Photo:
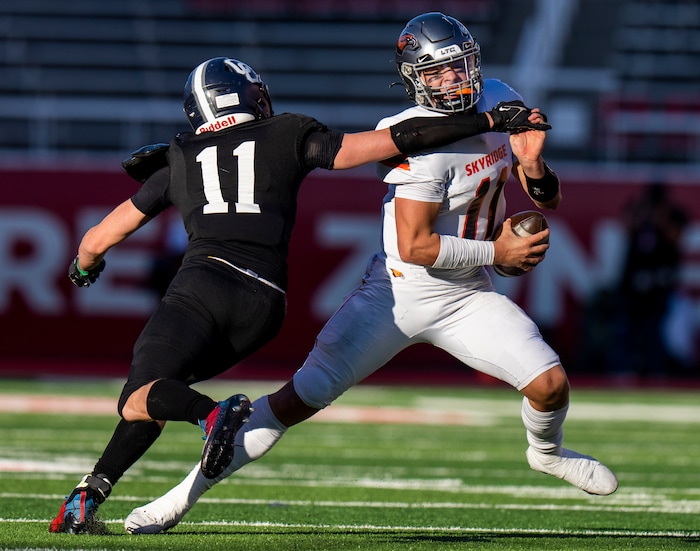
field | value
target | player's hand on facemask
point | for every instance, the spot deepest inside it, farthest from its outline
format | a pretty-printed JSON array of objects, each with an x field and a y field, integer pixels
[{"x": 515, "y": 117}]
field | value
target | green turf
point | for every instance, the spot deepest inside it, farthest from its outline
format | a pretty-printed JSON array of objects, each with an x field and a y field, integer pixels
[{"x": 393, "y": 487}]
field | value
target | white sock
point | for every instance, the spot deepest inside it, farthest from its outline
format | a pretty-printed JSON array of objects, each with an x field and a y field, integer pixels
[
  {"x": 254, "y": 439},
  {"x": 183, "y": 496},
  {"x": 544, "y": 428}
]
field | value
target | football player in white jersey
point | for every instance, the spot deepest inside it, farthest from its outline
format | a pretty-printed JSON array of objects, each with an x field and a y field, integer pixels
[{"x": 429, "y": 284}]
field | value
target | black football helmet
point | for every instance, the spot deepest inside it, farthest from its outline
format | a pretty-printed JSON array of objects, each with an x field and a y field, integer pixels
[
  {"x": 430, "y": 43},
  {"x": 223, "y": 86}
]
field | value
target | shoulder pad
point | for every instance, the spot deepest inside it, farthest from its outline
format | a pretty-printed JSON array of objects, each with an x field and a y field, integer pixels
[
  {"x": 494, "y": 92},
  {"x": 145, "y": 161}
]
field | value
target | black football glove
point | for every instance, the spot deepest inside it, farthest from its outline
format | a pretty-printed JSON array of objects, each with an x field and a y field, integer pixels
[
  {"x": 82, "y": 278},
  {"x": 146, "y": 161},
  {"x": 512, "y": 117}
]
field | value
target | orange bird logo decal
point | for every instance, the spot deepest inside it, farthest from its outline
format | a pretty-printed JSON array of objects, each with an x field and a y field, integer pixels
[{"x": 406, "y": 41}]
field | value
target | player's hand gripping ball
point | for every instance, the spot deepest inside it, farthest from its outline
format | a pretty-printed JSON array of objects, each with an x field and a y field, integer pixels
[{"x": 524, "y": 224}]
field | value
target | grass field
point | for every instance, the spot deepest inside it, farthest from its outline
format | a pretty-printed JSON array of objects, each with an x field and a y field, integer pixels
[{"x": 384, "y": 469}]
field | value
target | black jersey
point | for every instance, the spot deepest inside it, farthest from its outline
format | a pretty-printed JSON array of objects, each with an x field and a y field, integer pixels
[{"x": 236, "y": 189}]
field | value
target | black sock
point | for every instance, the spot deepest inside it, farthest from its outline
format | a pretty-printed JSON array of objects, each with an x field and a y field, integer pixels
[
  {"x": 129, "y": 442},
  {"x": 173, "y": 400}
]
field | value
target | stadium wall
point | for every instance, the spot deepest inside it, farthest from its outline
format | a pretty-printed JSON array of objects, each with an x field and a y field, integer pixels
[{"x": 49, "y": 327}]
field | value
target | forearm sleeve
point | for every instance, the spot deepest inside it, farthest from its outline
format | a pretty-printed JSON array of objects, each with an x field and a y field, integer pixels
[
  {"x": 419, "y": 133},
  {"x": 456, "y": 252}
]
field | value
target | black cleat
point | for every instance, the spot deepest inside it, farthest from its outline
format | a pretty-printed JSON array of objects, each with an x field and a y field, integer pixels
[{"x": 221, "y": 427}]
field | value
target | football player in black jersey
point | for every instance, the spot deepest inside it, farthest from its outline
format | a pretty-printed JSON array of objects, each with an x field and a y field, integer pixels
[{"x": 234, "y": 181}]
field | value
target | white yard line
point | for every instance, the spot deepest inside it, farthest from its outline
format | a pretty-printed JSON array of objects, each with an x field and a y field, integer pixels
[{"x": 440, "y": 529}]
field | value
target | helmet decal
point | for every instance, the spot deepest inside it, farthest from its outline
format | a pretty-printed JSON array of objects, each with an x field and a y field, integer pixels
[
  {"x": 228, "y": 100},
  {"x": 406, "y": 41},
  {"x": 243, "y": 70},
  {"x": 448, "y": 51}
]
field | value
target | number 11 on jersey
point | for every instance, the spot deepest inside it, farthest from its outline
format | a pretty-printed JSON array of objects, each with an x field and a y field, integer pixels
[{"x": 245, "y": 154}]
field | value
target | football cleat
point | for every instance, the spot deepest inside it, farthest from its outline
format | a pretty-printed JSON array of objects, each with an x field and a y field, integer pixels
[
  {"x": 220, "y": 428},
  {"x": 77, "y": 513},
  {"x": 152, "y": 518},
  {"x": 583, "y": 471}
]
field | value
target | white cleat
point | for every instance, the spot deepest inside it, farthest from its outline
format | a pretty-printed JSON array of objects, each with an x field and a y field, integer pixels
[
  {"x": 153, "y": 518},
  {"x": 583, "y": 471}
]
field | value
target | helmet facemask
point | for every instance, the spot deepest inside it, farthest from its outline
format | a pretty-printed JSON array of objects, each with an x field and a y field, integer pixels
[
  {"x": 449, "y": 85},
  {"x": 440, "y": 63}
]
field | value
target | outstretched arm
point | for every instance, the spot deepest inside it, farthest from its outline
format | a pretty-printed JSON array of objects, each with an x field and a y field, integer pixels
[
  {"x": 421, "y": 133},
  {"x": 359, "y": 148},
  {"x": 119, "y": 224}
]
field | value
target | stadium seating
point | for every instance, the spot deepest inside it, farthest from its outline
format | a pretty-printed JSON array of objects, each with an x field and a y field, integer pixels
[{"x": 105, "y": 77}]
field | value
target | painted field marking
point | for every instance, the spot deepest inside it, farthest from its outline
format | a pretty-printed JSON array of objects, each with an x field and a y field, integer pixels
[{"x": 439, "y": 529}]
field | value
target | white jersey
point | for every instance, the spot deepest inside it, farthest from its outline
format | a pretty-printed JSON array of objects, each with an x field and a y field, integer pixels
[
  {"x": 400, "y": 304},
  {"x": 467, "y": 177}
]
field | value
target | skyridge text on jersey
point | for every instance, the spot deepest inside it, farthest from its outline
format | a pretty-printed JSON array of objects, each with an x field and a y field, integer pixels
[{"x": 486, "y": 161}]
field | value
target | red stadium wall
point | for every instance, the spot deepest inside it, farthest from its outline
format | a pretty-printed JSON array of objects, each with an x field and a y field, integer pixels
[{"x": 48, "y": 326}]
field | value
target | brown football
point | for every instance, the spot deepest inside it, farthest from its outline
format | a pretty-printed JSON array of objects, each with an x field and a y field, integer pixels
[{"x": 525, "y": 223}]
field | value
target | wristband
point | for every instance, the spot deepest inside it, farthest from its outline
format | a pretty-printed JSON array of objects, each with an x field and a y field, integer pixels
[
  {"x": 456, "y": 252},
  {"x": 543, "y": 189},
  {"x": 80, "y": 270}
]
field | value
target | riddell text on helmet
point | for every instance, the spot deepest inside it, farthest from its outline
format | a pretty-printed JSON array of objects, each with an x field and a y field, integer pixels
[
  {"x": 486, "y": 161},
  {"x": 222, "y": 122}
]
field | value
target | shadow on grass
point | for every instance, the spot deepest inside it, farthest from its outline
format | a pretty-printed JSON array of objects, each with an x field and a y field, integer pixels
[
  {"x": 338, "y": 539},
  {"x": 488, "y": 537}
]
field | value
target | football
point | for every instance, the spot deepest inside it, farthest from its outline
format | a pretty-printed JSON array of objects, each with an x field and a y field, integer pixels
[{"x": 525, "y": 223}]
